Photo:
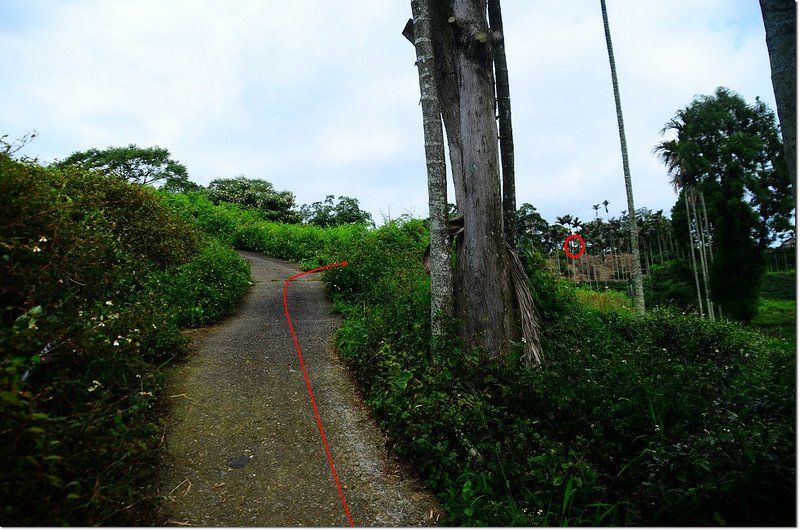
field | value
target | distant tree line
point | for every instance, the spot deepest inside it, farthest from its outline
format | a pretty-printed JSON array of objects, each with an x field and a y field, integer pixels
[
  {"x": 153, "y": 166},
  {"x": 733, "y": 219}
]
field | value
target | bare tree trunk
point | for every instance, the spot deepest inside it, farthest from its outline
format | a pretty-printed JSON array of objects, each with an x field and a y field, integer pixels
[
  {"x": 486, "y": 289},
  {"x": 636, "y": 268},
  {"x": 702, "y": 244},
  {"x": 707, "y": 227},
  {"x": 780, "y": 19},
  {"x": 443, "y": 41},
  {"x": 441, "y": 273},
  {"x": 504, "y": 122},
  {"x": 691, "y": 250},
  {"x": 558, "y": 261}
]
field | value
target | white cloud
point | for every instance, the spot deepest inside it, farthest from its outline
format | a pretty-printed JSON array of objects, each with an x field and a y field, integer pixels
[{"x": 322, "y": 97}]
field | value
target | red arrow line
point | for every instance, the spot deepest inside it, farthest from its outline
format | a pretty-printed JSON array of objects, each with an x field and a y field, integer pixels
[{"x": 308, "y": 383}]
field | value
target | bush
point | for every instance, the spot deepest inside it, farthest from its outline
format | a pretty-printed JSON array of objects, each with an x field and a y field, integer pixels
[
  {"x": 207, "y": 288},
  {"x": 671, "y": 284},
  {"x": 663, "y": 419},
  {"x": 91, "y": 267}
]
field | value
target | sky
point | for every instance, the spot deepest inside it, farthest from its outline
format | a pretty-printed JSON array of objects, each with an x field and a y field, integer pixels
[{"x": 322, "y": 98}]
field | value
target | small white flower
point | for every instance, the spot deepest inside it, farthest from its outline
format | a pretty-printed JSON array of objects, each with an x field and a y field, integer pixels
[
  {"x": 42, "y": 239},
  {"x": 37, "y": 249},
  {"x": 109, "y": 302},
  {"x": 116, "y": 343}
]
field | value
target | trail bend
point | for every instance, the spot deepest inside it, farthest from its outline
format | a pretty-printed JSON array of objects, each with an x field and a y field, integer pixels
[{"x": 243, "y": 448}]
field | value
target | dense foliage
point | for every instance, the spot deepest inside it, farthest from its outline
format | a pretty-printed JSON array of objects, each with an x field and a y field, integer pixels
[
  {"x": 255, "y": 194},
  {"x": 662, "y": 419},
  {"x": 671, "y": 284},
  {"x": 96, "y": 277},
  {"x": 727, "y": 159},
  {"x": 325, "y": 213},
  {"x": 142, "y": 165},
  {"x": 656, "y": 420}
]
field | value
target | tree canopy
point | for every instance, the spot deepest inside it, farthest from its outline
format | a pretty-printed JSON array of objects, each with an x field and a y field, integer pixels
[
  {"x": 257, "y": 194},
  {"x": 143, "y": 165},
  {"x": 729, "y": 154},
  {"x": 346, "y": 210}
]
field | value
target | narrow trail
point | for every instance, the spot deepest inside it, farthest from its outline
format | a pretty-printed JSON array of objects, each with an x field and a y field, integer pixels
[{"x": 243, "y": 447}]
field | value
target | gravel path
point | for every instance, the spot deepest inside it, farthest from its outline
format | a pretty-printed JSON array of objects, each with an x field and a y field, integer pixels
[{"x": 243, "y": 448}]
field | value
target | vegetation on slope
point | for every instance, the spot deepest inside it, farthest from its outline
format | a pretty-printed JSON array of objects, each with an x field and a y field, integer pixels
[
  {"x": 660, "y": 419},
  {"x": 98, "y": 275}
]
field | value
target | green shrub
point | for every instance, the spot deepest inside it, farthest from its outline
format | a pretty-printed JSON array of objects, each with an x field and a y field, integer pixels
[
  {"x": 657, "y": 420},
  {"x": 663, "y": 419},
  {"x": 207, "y": 288},
  {"x": 90, "y": 267},
  {"x": 671, "y": 284}
]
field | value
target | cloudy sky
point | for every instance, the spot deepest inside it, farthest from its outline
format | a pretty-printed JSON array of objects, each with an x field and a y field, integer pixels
[{"x": 321, "y": 97}]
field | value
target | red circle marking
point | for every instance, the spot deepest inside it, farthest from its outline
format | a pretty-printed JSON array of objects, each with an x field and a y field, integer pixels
[{"x": 566, "y": 246}]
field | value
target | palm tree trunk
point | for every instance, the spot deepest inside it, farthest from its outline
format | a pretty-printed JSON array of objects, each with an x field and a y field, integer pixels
[
  {"x": 505, "y": 130},
  {"x": 634, "y": 231},
  {"x": 441, "y": 272},
  {"x": 707, "y": 227},
  {"x": 485, "y": 282},
  {"x": 691, "y": 250},
  {"x": 703, "y": 262}
]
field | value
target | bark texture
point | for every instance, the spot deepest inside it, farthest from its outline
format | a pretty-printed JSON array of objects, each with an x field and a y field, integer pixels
[
  {"x": 504, "y": 124},
  {"x": 780, "y": 19},
  {"x": 633, "y": 228},
  {"x": 441, "y": 272},
  {"x": 488, "y": 321}
]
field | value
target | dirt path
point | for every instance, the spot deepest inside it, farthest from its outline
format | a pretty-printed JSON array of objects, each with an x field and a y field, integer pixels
[{"x": 243, "y": 448}]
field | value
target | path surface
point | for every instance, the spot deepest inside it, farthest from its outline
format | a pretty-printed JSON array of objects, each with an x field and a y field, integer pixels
[{"x": 243, "y": 447}]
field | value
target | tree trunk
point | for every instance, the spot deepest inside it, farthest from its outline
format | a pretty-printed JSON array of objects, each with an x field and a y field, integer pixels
[
  {"x": 485, "y": 282},
  {"x": 701, "y": 241},
  {"x": 636, "y": 268},
  {"x": 691, "y": 250},
  {"x": 443, "y": 41},
  {"x": 780, "y": 18},
  {"x": 707, "y": 226},
  {"x": 504, "y": 122},
  {"x": 441, "y": 273}
]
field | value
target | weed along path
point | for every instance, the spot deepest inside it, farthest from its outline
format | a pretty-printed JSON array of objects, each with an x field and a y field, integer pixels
[{"x": 243, "y": 446}]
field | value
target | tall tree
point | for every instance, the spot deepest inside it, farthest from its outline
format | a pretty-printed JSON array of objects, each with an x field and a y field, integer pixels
[
  {"x": 504, "y": 123},
  {"x": 143, "y": 165},
  {"x": 257, "y": 194},
  {"x": 346, "y": 210},
  {"x": 731, "y": 152},
  {"x": 780, "y": 23},
  {"x": 492, "y": 298},
  {"x": 634, "y": 235},
  {"x": 488, "y": 322},
  {"x": 689, "y": 186},
  {"x": 441, "y": 272}
]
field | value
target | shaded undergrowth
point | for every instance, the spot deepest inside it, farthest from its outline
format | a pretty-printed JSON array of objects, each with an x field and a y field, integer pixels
[{"x": 98, "y": 277}]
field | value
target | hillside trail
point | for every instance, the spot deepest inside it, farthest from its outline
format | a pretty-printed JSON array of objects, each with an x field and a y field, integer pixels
[{"x": 243, "y": 448}]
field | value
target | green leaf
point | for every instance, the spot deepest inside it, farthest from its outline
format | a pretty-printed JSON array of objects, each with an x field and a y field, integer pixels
[{"x": 9, "y": 397}]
